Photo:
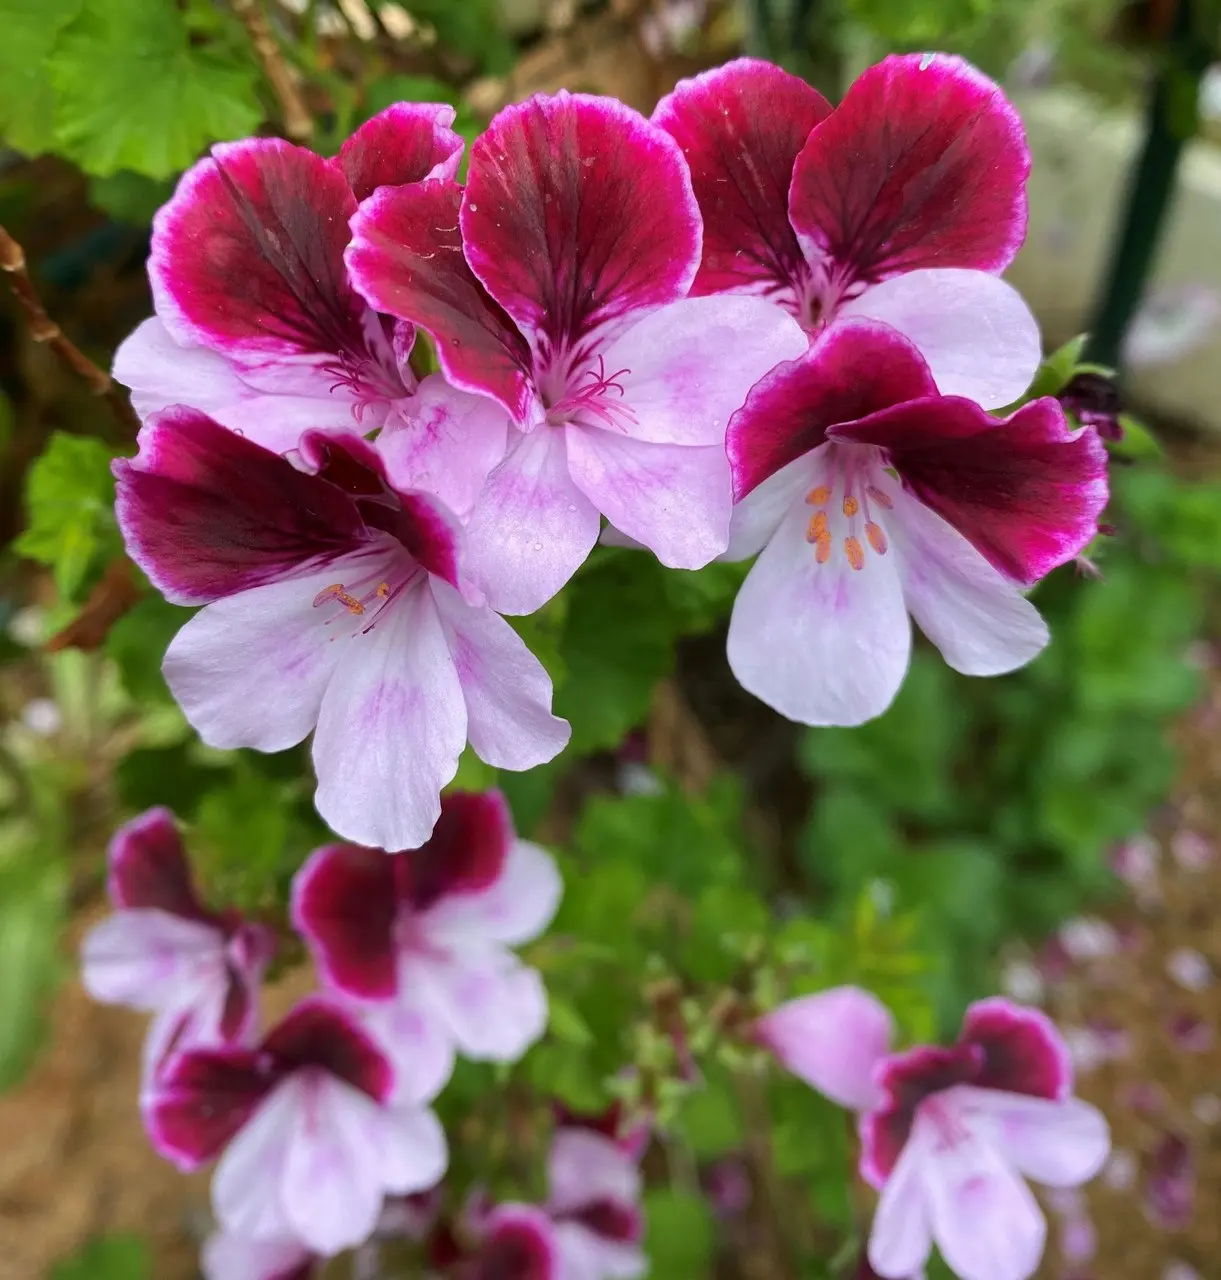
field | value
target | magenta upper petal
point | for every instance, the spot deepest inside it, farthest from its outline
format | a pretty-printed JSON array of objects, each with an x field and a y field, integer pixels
[
  {"x": 319, "y": 1034},
  {"x": 408, "y": 142},
  {"x": 1022, "y": 1050},
  {"x": 740, "y": 128},
  {"x": 577, "y": 213},
  {"x": 205, "y": 512},
  {"x": 247, "y": 257},
  {"x": 344, "y": 906},
  {"x": 1026, "y": 491},
  {"x": 789, "y": 411},
  {"x": 200, "y": 1099},
  {"x": 465, "y": 853},
  {"x": 923, "y": 164},
  {"x": 518, "y": 1244},
  {"x": 406, "y": 259},
  {"x": 148, "y": 867}
]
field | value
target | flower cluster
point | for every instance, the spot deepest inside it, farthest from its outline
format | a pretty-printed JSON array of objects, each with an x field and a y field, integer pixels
[
  {"x": 750, "y": 325},
  {"x": 323, "y": 1122}
]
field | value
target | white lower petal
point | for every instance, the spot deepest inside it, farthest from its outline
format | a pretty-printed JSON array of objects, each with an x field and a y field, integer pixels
[
  {"x": 674, "y": 499},
  {"x": 414, "y": 1151},
  {"x": 977, "y": 618},
  {"x": 901, "y": 1237},
  {"x": 584, "y": 1255},
  {"x": 230, "y": 1257},
  {"x": 417, "y": 1042},
  {"x": 495, "y": 1006},
  {"x": 977, "y": 334},
  {"x": 506, "y": 689},
  {"x": 332, "y": 1185},
  {"x": 531, "y": 527},
  {"x": 1060, "y": 1144},
  {"x": 822, "y": 644},
  {"x": 145, "y": 958},
  {"x": 391, "y": 728},
  {"x": 250, "y": 670},
  {"x": 247, "y": 1188},
  {"x": 985, "y": 1220}
]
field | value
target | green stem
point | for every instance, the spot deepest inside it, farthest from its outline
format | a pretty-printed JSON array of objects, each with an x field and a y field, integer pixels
[{"x": 1150, "y": 187}]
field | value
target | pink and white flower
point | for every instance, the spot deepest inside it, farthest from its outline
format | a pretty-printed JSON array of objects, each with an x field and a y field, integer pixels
[
  {"x": 258, "y": 325},
  {"x": 873, "y": 497},
  {"x": 333, "y": 605},
  {"x": 556, "y": 284},
  {"x": 196, "y": 969},
  {"x": 948, "y": 1136},
  {"x": 308, "y": 1140},
  {"x": 903, "y": 205},
  {"x": 422, "y": 940},
  {"x": 594, "y": 1196}
]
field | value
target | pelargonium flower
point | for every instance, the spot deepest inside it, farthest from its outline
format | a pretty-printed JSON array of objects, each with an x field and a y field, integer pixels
[
  {"x": 594, "y": 1191},
  {"x": 556, "y": 284},
  {"x": 903, "y": 205},
  {"x": 874, "y": 497},
  {"x": 332, "y": 604},
  {"x": 258, "y": 325},
  {"x": 949, "y": 1135},
  {"x": 308, "y": 1140},
  {"x": 196, "y": 969},
  {"x": 422, "y": 939}
]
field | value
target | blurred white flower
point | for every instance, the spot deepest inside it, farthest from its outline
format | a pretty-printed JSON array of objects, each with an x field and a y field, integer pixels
[{"x": 1170, "y": 323}]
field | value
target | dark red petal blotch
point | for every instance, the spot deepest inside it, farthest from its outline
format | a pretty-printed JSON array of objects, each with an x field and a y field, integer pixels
[
  {"x": 741, "y": 128},
  {"x": 923, "y": 164},
  {"x": 148, "y": 868},
  {"x": 344, "y": 905}
]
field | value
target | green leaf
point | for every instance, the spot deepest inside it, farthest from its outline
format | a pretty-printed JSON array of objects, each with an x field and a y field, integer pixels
[
  {"x": 679, "y": 1238},
  {"x": 1138, "y": 443},
  {"x": 709, "y": 1120},
  {"x": 70, "y": 497},
  {"x": 32, "y": 891},
  {"x": 27, "y": 102},
  {"x": 129, "y": 197},
  {"x": 472, "y": 28},
  {"x": 1058, "y": 370},
  {"x": 137, "y": 644},
  {"x": 108, "y": 1258},
  {"x": 134, "y": 91},
  {"x": 618, "y": 643}
]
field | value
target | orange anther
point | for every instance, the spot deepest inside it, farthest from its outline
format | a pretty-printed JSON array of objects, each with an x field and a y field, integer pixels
[
  {"x": 876, "y": 536},
  {"x": 336, "y": 592},
  {"x": 851, "y": 505},
  {"x": 822, "y": 549},
  {"x": 856, "y": 553},
  {"x": 383, "y": 590},
  {"x": 820, "y": 496},
  {"x": 881, "y": 498},
  {"x": 817, "y": 527}
]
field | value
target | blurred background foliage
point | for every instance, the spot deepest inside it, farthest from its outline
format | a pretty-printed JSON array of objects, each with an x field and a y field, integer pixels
[{"x": 716, "y": 860}]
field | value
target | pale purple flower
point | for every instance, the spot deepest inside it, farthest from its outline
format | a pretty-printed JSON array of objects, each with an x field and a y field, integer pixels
[
  {"x": 903, "y": 205},
  {"x": 511, "y": 1242},
  {"x": 556, "y": 284},
  {"x": 1179, "y": 1270},
  {"x": 1119, "y": 1172},
  {"x": 1078, "y": 1239},
  {"x": 873, "y": 500},
  {"x": 1190, "y": 1033},
  {"x": 949, "y": 1135},
  {"x": 594, "y": 1192},
  {"x": 1191, "y": 850},
  {"x": 333, "y": 605},
  {"x": 423, "y": 940},
  {"x": 1206, "y": 1107},
  {"x": 1023, "y": 982},
  {"x": 308, "y": 1138},
  {"x": 258, "y": 326},
  {"x": 197, "y": 970},
  {"x": 1086, "y": 938}
]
